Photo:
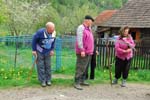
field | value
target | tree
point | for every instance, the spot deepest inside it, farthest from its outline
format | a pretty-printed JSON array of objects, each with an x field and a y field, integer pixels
[
  {"x": 24, "y": 16},
  {"x": 71, "y": 17},
  {"x": 3, "y": 18}
]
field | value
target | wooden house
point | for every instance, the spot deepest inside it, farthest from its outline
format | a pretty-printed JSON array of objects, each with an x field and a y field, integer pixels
[{"x": 135, "y": 14}]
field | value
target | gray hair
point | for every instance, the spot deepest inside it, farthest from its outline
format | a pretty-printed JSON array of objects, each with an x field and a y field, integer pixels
[{"x": 50, "y": 24}]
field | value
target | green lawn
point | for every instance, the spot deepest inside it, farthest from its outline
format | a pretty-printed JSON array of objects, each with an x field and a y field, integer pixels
[{"x": 11, "y": 76}]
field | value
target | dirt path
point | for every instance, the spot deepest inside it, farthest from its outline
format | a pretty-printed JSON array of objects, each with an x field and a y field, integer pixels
[{"x": 94, "y": 92}]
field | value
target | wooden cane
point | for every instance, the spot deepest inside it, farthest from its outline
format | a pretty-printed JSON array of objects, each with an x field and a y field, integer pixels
[
  {"x": 109, "y": 65},
  {"x": 31, "y": 70}
]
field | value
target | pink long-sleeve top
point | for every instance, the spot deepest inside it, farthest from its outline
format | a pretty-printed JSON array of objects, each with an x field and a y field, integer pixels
[{"x": 121, "y": 46}]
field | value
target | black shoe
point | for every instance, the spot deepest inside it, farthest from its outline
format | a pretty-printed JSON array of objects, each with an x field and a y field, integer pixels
[
  {"x": 91, "y": 78},
  {"x": 78, "y": 87}
]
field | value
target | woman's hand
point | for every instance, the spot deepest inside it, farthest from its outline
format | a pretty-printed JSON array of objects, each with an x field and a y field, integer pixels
[{"x": 128, "y": 50}]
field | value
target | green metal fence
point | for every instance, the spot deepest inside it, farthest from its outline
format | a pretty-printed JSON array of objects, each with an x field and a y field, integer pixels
[
  {"x": 64, "y": 53},
  {"x": 17, "y": 52}
]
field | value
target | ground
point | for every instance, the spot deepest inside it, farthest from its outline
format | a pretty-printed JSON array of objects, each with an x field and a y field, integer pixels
[{"x": 93, "y": 92}]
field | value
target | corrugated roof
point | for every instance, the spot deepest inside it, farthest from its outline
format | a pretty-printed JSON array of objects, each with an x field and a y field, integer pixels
[{"x": 135, "y": 13}]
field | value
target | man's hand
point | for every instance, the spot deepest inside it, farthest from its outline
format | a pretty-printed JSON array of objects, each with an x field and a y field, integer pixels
[
  {"x": 82, "y": 54},
  {"x": 34, "y": 53},
  {"x": 97, "y": 53},
  {"x": 51, "y": 53}
]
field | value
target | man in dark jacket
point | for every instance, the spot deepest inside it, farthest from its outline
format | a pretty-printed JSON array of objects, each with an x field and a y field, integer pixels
[
  {"x": 43, "y": 48},
  {"x": 92, "y": 63}
]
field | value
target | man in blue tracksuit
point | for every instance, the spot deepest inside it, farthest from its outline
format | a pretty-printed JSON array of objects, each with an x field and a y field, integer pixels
[{"x": 43, "y": 48}]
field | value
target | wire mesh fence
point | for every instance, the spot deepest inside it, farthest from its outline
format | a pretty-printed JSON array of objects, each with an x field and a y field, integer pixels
[{"x": 17, "y": 52}]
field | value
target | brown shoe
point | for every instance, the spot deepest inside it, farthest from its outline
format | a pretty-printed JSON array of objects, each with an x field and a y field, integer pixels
[
  {"x": 84, "y": 84},
  {"x": 77, "y": 86}
]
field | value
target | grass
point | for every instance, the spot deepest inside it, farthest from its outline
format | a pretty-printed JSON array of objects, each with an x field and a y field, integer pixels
[
  {"x": 11, "y": 76},
  {"x": 18, "y": 77}
]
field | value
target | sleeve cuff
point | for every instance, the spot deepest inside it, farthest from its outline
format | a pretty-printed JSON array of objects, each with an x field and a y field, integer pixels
[{"x": 82, "y": 50}]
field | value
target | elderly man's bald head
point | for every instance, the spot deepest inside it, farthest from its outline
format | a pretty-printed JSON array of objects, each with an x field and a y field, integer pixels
[
  {"x": 50, "y": 27},
  {"x": 50, "y": 24}
]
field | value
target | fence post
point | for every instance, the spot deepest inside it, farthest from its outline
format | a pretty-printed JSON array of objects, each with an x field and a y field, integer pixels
[
  {"x": 58, "y": 45},
  {"x": 16, "y": 50}
]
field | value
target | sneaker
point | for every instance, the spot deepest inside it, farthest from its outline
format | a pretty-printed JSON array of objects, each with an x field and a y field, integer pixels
[
  {"x": 77, "y": 86},
  {"x": 84, "y": 84},
  {"x": 123, "y": 83},
  {"x": 115, "y": 81},
  {"x": 43, "y": 84},
  {"x": 49, "y": 83}
]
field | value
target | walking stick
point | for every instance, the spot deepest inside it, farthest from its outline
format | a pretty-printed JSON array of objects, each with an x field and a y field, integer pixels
[
  {"x": 109, "y": 65},
  {"x": 31, "y": 70}
]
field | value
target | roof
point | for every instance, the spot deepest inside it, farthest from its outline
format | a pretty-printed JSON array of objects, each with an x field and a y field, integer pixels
[
  {"x": 104, "y": 16},
  {"x": 135, "y": 14}
]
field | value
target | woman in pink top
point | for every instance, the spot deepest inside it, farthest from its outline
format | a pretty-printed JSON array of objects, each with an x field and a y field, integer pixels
[{"x": 124, "y": 47}]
